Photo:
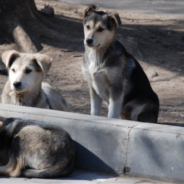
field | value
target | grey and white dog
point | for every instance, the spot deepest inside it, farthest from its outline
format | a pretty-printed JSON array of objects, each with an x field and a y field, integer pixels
[
  {"x": 113, "y": 75},
  {"x": 35, "y": 150},
  {"x": 25, "y": 87}
]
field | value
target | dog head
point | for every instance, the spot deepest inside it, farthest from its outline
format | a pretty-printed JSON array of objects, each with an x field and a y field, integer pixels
[
  {"x": 99, "y": 27},
  {"x": 26, "y": 71}
]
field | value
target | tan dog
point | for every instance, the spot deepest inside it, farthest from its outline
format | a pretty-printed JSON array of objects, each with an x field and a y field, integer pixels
[
  {"x": 25, "y": 86},
  {"x": 34, "y": 149}
]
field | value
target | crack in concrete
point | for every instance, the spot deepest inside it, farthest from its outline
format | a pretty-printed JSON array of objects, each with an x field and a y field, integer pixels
[{"x": 127, "y": 149}]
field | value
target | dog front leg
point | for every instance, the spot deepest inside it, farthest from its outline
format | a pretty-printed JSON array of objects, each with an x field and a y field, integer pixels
[
  {"x": 96, "y": 102},
  {"x": 115, "y": 105},
  {"x": 11, "y": 169}
]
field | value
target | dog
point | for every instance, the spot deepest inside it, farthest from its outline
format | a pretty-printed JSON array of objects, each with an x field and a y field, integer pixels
[
  {"x": 25, "y": 86},
  {"x": 114, "y": 75},
  {"x": 34, "y": 150}
]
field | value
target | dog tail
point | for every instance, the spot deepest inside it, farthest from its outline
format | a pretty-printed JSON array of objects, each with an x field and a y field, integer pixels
[
  {"x": 50, "y": 172},
  {"x": 54, "y": 98}
]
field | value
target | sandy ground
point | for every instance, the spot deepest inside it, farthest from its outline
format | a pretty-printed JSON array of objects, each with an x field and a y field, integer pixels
[
  {"x": 157, "y": 41},
  {"x": 165, "y": 7}
]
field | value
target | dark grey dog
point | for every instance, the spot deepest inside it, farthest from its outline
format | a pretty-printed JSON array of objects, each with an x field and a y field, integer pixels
[
  {"x": 32, "y": 149},
  {"x": 113, "y": 75}
]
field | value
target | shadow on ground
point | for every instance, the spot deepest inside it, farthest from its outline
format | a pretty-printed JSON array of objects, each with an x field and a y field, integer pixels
[
  {"x": 154, "y": 43},
  {"x": 157, "y": 43}
]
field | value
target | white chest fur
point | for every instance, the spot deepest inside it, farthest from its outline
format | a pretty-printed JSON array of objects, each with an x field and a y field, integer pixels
[{"x": 96, "y": 75}]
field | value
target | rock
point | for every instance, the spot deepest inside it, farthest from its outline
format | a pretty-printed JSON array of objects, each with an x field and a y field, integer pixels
[
  {"x": 155, "y": 74},
  {"x": 48, "y": 11}
]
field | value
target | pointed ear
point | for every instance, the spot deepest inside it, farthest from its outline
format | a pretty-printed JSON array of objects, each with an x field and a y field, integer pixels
[
  {"x": 44, "y": 62},
  {"x": 89, "y": 10},
  {"x": 115, "y": 19},
  {"x": 8, "y": 57}
]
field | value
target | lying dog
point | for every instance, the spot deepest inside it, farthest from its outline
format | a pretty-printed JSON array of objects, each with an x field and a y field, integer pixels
[
  {"x": 25, "y": 86},
  {"x": 113, "y": 75},
  {"x": 32, "y": 149}
]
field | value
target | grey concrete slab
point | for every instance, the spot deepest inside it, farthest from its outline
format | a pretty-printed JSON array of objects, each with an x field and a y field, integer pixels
[
  {"x": 43, "y": 114},
  {"x": 101, "y": 143},
  {"x": 161, "y": 128},
  {"x": 82, "y": 177},
  {"x": 109, "y": 145},
  {"x": 43, "y": 181},
  {"x": 157, "y": 154}
]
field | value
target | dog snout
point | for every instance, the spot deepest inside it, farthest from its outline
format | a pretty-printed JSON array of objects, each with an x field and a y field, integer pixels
[
  {"x": 17, "y": 84},
  {"x": 89, "y": 41}
]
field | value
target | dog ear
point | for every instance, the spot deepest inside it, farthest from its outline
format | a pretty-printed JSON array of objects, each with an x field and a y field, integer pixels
[
  {"x": 115, "y": 19},
  {"x": 8, "y": 57},
  {"x": 89, "y": 10},
  {"x": 44, "y": 62}
]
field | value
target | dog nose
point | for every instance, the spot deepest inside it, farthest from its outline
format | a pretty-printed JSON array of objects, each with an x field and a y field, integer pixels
[
  {"x": 17, "y": 84},
  {"x": 89, "y": 41}
]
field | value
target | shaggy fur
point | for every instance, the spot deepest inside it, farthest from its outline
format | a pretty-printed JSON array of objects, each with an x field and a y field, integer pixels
[
  {"x": 114, "y": 75},
  {"x": 32, "y": 149},
  {"x": 25, "y": 86}
]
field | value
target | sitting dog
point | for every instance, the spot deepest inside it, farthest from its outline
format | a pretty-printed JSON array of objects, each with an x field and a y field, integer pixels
[
  {"x": 34, "y": 150},
  {"x": 113, "y": 75},
  {"x": 25, "y": 86}
]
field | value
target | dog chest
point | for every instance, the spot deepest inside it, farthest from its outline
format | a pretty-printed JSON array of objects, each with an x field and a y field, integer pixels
[
  {"x": 96, "y": 75},
  {"x": 100, "y": 85}
]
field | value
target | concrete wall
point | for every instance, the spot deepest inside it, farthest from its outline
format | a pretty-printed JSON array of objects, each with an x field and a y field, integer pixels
[{"x": 116, "y": 146}]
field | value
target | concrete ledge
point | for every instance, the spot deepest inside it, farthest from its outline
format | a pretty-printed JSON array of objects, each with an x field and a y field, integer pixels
[
  {"x": 116, "y": 146},
  {"x": 157, "y": 152}
]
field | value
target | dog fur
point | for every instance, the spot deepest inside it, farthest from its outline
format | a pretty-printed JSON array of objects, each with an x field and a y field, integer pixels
[
  {"x": 113, "y": 75},
  {"x": 25, "y": 86},
  {"x": 35, "y": 150}
]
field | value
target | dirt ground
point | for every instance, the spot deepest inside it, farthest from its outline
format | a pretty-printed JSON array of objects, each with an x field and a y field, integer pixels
[{"x": 156, "y": 41}]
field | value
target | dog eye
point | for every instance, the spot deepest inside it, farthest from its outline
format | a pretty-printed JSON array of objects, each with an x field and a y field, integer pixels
[
  {"x": 88, "y": 27},
  {"x": 13, "y": 70},
  {"x": 27, "y": 71},
  {"x": 100, "y": 29}
]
